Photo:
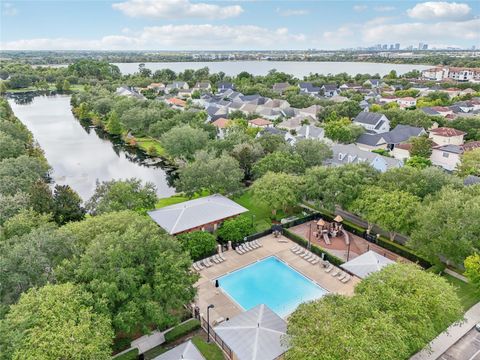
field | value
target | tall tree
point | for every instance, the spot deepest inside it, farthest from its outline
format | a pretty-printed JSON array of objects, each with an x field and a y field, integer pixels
[
  {"x": 137, "y": 278},
  {"x": 184, "y": 141},
  {"x": 277, "y": 190},
  {"x": 208, "y": 172},
  {"x": 114, "y": 126},
  {"x": 116, "y": 195},
  {"x": 313, "y": 152},
  {"x": 286, "y": 162},
  {"x": 472, "y": 270},
  {"x": 391, "y": 210},
  {"x": 247, "y": 154},
  {"x": 470, "y": 163},
  {"x": 421, "y": 146},
  {"x": 67, "y": 205},
  {"x": 393, "y": 314},
  {"x": 55, "y": 322}
]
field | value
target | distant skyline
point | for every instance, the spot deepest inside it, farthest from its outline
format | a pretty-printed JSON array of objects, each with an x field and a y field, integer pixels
[{"x": 235, "y": 25}]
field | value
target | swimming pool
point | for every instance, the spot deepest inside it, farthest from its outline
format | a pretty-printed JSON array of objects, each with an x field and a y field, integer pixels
[{"x": 270, "y": 282}]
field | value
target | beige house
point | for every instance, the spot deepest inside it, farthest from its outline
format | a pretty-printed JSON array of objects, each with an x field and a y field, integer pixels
[
  {"x": 446, "y": 156},
  {"x": 446, "y": 136},
  {"x": 407, "y": 102},
  {"x": 401, "y": 151},
  {"x": 260, "y": 123}
]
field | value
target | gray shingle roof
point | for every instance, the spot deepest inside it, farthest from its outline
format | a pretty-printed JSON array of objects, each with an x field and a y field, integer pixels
[
  {"x": 455, "y": 149},
  {"x": 255, "y": 334},
  {"x": 370, "y": 118},
  {"x": 402, "y": 133},
  {"x": 471, "y": 180},
  {"x": 185, "y": 351},
  {"x": 194, "y": 213}
]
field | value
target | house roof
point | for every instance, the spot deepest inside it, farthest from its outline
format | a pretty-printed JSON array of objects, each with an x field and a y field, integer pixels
[
  {"x": 472, "y": 145},
  {"x": 330, "y": 87},
  {"x": 178, "y": 102},
  {"x": 311, "y": 132},
  {"x": 471, "y": 180},
  {"x": 281, "y": 86},
  {"x": 367, "y": 263},
  {"x": 185, "y": 351},
  {"x": 404, "y": 146},
  {"x": 260, "y": 122},
  {"x": 447, "y": 132},
  {"x": 308, "y": 86},
  {"x": 401, "y": 133},
  {"x": 454, "y": 149},
  {"x": 369, "y": 118},
  {"x": 194, "y": 213},
  {"x": 255, "y": 334},
  {"x": 351, "y": 154},
  {"x": 221, "y": 123}
]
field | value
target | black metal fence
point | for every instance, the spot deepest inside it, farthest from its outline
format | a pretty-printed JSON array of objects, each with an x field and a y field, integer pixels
[{"x": 213, "y": 335}]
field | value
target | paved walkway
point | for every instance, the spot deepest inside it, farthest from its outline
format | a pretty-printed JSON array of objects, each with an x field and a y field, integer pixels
[{"x": 449, "y": 337}]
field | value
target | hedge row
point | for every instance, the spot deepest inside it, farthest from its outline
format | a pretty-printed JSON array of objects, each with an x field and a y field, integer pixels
[
  {"x": 314, "y": 249},
  {"x": 182, "y": 329}
]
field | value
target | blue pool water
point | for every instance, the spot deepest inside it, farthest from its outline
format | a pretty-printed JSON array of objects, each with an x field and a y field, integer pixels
[{"x": 270, "y": 282}]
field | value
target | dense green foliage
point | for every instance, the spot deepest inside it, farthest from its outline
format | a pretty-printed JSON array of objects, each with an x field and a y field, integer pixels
[
  {"x": 199, "y": 244},
  {"x": 472, "y": 270},
  {"x": 235, "y": 229},
  {"x": 117, "y": 195},
  {"x": 55, "y": 322},
  {"x": 393, "y": 314}
]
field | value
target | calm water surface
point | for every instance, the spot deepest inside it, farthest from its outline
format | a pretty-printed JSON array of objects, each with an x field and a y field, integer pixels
[
  {"x": 79, "y": 155},
  {"x": 297, "y": 68}
]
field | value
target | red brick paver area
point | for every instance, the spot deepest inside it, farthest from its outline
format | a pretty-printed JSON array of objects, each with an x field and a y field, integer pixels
[{"x": 338, "y": 246}]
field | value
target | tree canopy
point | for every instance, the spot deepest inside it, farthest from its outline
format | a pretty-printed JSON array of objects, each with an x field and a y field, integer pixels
[{"x": 55, "y": 322}]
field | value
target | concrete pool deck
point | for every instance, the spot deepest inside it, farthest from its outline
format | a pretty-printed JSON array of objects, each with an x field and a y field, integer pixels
[{"x": 226, "y": 308}]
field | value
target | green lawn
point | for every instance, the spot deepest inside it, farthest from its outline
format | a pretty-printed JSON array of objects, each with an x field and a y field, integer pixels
[
  {"x": 261, "y": 213},
  {"x": 146, "y": 143},
  {"x": 465, "y": 291},
  {"x": 176, "y": 199},
  {"x": 209, "y": 350}
]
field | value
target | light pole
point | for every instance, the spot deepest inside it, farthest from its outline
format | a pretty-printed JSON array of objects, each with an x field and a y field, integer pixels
[{"x": 211, "y": 306}]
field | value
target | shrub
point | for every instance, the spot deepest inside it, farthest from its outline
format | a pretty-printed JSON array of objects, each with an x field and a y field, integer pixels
[
  {"x": 199, "y": 244},
  {"x": 235, "y": 230},
  {"x": 129, "y": 355},
  {"x": 181, "y": 330}
]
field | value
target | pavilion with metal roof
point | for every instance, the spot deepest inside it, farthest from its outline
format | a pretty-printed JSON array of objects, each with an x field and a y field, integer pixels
[
  {"x": 185, "y": 351},
  {"x": 367, "y": 263},
  {"x": 198, "y": 214}
]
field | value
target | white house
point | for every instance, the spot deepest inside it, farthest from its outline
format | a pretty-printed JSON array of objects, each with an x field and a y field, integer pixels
[
  {"x": 447, "y": 136},
  {"x": 373, "y": 122},
  {"x": 407, "y": 102}
]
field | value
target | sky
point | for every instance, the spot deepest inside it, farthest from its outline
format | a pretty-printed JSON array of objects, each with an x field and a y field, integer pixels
[{"x": 234, "y": 25}]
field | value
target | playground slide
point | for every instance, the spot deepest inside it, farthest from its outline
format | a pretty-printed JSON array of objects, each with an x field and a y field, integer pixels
[
  {"x": 326, "y": 238},
  {"x": 346, "y": 237}
]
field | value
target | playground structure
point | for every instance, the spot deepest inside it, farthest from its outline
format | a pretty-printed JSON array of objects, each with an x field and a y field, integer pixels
[{"x": 331, "y": 230}]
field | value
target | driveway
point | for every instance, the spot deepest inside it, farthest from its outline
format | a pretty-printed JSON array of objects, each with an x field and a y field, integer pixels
[{"x": 467, "y": 348}]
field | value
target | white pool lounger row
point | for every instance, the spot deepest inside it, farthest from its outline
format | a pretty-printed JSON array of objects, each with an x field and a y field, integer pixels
[
  {"x": 305, "y": 254},
  {"x": 248, "y": 246},
  {"x": 208, "y": 262}
]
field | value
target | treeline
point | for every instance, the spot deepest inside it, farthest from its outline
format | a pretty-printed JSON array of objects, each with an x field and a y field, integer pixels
[{"x": 68, "y": 57}]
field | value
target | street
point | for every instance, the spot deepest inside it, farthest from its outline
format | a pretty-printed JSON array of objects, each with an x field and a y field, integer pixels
[{"x": 467, "y": 348}]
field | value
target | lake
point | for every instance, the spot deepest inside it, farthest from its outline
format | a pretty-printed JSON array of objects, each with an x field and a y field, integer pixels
[
  {"x": 80, "y": 155},
  {"x": 296, "y": 68}
]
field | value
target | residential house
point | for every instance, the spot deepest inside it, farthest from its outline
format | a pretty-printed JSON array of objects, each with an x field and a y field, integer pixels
[
  {"x": 215, "y": 112},
  {"x": 176, "y": 103},
  {"x": 312, "y": 132},
  {"x": 260, "y": 123},
  {"x": 281, "y": 87},
  {"x": 387, "y": 99},
  {"x": 130, "y": 92},
  {"x": 286, "y": 135},
  {"x": 203, "y": 86},
  {"x": 157, "y": 87},
  {"x": 352, "y": 154},
  {"x": 373, "y": 83},
  {"x": 329, "y": 90},
  {"x": 296, "y": 122},
  {"x": 373, "y": 122},
  {"x": 176, "y": 85},
  {"x": 442, "y": 110},
  {"x": 223, "y": 86},
  {"x": 185, "y": 93},
  {"x": 312, "y": 111},
  {"x": 407, "y": 102},
  {"x": 221, "y": 124},
  {"x": 388, "y": 140},
  {"x": 453, "y": 73},
  {"x": 308, "y": 88},
  {"x": 449, "y": 156},
  {"x": 401, "y": 151},
  {"x": 447, "y": 136}
]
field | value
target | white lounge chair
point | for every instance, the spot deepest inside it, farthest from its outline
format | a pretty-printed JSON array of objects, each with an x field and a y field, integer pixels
[
  {"x": 314, "y": 260},
  {"x": 199, "y": 265},
  {"x": 219, "y": 259},
  {"x": 195, "y": 267},
  {"x": 341, "y": 275},
  {"x": 299, "y": 251},
  {"x": 253, "y": 245},
  {"x": 346, "y": 279},
  {"x": 239, "y": 250},
  {"x": 258, "y": 243},
  {"x": 215, "y": 260},
  {"x": 294, "y": 248},
  {"x": 329, "y": 268},
  {"x": 308, "y": 256},
  {"x": 335, "y": 272},
  {"x": 206, "y": 263},
  {"x": 246, "y": 246},
  {"x": 222, "y": 257}
]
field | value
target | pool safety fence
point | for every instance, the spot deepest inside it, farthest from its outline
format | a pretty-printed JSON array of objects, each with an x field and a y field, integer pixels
[{"x": 218, "y": 340}]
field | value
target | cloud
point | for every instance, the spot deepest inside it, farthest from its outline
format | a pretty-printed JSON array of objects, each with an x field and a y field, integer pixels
[
  {"x": 292, "y": 12},
  {"x": 175, "y": 9},
  {"x": 339, "y": 35},
  {"x": 415, "y": 32},
  {"x": 174, "y": 37},
  {"x": 360, "y": 8},
  {"x": 439, "y": 10},
  {"x": 384, "y": 8},
  {"x": 9, "y": 10}
]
